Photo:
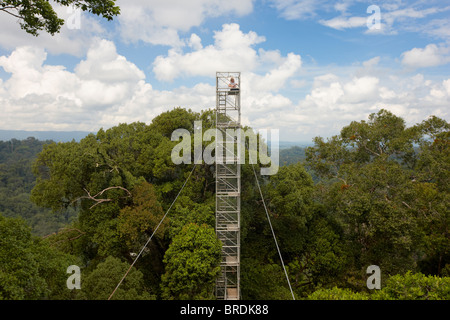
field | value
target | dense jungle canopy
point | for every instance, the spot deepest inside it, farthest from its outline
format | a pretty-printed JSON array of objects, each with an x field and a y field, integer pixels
[{"x": 376, "y": 194}]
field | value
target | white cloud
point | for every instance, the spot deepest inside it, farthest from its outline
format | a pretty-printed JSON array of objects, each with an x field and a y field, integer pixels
[
  {"x": 298, "y": 9},
  {"x": 30, "y": 76},
  {"x": 340, "y": 23},
  {"x": 103, "y": 90},
  {"x": 159, "y": 21},
  {"x": 446, "y": 85},
  {"x": 371, "y": 62},
  {"x": 104, "y": 64},
  {"x": 335, "y": 100},
  {"x": 195, "y": 42},
  {"x": 361, "y": 89},
  {"x": 437, "y": 28},
  {"x": 395, "y": 17},
  {"x": 263, "y": 72},
  {"x": 45, "y": 96},
  {"x": 232, "y": 50},
  {"x": 275, "y": 79},
  {"x": 430, "y": 56},
  {"x": 67, "y": 41},
  {"x": 152, "y": 21},
  {"x": 386, "y": 94}
]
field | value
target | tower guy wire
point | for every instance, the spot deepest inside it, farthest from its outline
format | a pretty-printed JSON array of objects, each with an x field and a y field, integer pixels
[
  {"x": 271, "y": 228},
  {"x": 154, "y": 231}
]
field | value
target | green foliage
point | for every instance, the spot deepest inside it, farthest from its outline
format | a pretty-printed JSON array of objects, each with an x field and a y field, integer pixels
[
  {"x": 192, "y": 264},
  {"x": 140, "y": 217},
  {"x": 186, "y": 211},
  {"x": 324, "y": 258},
  {"x": 263, "y": 281},
  {"x": 121, "y": 181},
  {"x": 379, "y": 196},
  {"x": 102, "y": 281},
  {"x": 16, "y": 183},
  {"x": 178, "y": 118},
  {"x": 39, "y": 15},
  {"x": 409, "y": 286},
  {"x": 292, "y": 155},
  {"x": 289, "y": 198},
  {"x": 414, "y": 286},
  {"x": 30, "y": 268},
  {"x": 386, "y": 194},
  {"x": 290, "y": 191},
  {"x": 336, "y": 293}
]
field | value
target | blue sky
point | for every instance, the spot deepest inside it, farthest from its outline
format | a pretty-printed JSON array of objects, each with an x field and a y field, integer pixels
[{"x": 308, "y": 67}]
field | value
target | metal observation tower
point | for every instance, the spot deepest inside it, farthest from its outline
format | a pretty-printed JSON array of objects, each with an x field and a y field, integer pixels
[
  {"x": 228, "y": 148},
  {"x": 228, "y": 182}
]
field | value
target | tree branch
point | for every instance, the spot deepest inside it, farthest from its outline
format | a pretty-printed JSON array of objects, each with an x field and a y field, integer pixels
[
  {"x": 406, "y": 204},
  {"x": 5, "y": 9},
  {"x": 101, "y": 200},
  {"x": 81, "y": 233},
  {"x": 371, "y": 151}
]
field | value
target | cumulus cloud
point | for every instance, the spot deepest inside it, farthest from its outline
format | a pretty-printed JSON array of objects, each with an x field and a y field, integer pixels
[
  {"x": 104, "y": 64},
  {"x": 371, "y": 62},
  {"x": 104, "y": 89},
  {"x": 44, "y": 96},
  {"x": 335, "y": 100},
  {"x": 264, "y": 73},
  {"x": 430, "y": 56},
  {"x": 276, "y": 78},
  {"x": 232, "y": 50},
  {"x": 160, "y": 21}
]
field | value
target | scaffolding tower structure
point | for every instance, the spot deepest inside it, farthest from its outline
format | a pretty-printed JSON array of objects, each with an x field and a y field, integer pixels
[{"x": 228, "y": 182}]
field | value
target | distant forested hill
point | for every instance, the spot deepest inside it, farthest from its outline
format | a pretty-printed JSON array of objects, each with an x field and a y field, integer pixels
[
  {"x": 292, "y": 155},
  {"x": 16, "y": 182},
  {"x": 57, "y": 136}
]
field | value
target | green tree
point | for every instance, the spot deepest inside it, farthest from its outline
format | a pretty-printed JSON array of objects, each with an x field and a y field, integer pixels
[
  {"x": 16, "y": 182},
  {"x": 408, "y": 286},
  {"x": 373, "y": 185},
  {"x": 309, "y": 240},
  {"x": 192, "y": 264},
  {"x": 30, "y": 268},
  {"x": 263, "y": 281},
  {"x": 142, "y": 216},
  {"x": 336, "y": 293},
  {"x": 414, "y": 286},
  {"x": 432, "y": 178},
  {"x": 120, "y": 181},
  {"x": 186, "y": 211},
  {"x": 103, "y": 280},
  {"x": 38, "y": 15},
  {"x": 323, "y": 261}
]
